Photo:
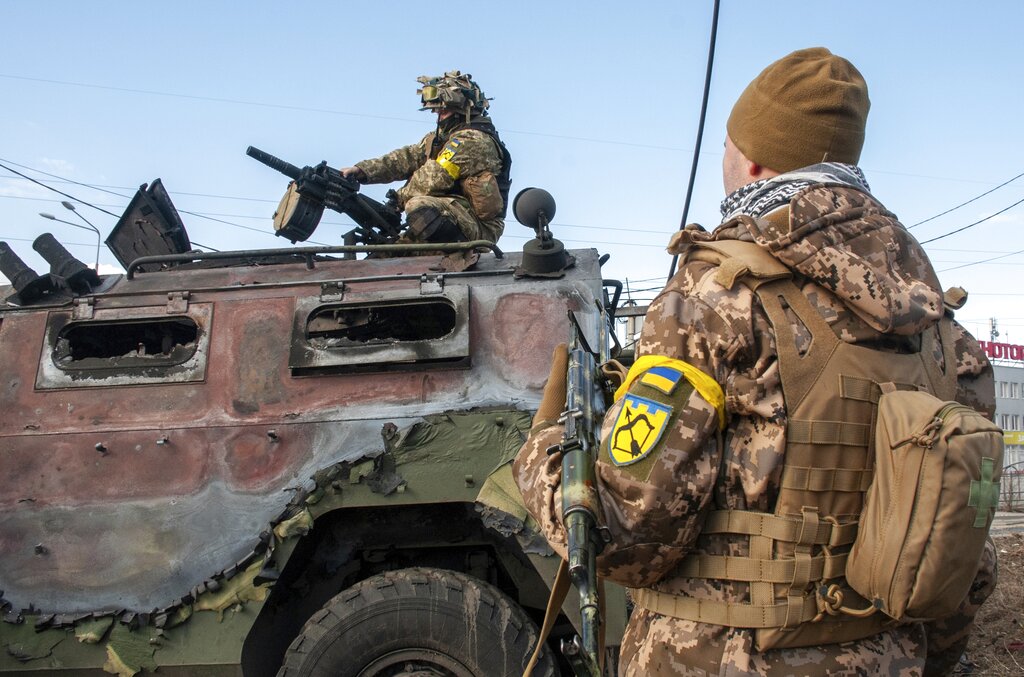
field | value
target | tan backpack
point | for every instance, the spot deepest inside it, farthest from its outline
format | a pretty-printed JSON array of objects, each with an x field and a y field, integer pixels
[
  {"x": 937, "y": 463},
  {"x": 928, "y": 510},
  {"x": 886, "y": 494}
]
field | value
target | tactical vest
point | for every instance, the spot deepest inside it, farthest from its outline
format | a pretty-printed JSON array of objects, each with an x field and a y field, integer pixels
[
  {"x": 798, "y": 553},
  {"x": 484, "y": 125}
]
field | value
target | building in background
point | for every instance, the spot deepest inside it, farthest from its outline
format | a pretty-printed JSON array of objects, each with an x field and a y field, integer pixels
[{"x": 1008, "y": 364}]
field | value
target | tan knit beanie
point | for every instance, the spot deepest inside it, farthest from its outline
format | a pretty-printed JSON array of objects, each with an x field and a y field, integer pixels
[{"x": 808, "y": 107}]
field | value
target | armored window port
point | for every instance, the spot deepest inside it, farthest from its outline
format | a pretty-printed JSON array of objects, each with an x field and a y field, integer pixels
[
  {"x": 102, "y": 345},
  {"x": 124, "y": 347},
  {"x": 381, "y": 331},
  {"x": 336, "y": 327}
]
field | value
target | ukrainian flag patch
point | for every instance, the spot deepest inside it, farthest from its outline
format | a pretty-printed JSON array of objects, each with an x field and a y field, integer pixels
[
  {"x": 446, "y": 156},
  {"x": 663, "y": 378},
  {"x": 638, "y": 428}
]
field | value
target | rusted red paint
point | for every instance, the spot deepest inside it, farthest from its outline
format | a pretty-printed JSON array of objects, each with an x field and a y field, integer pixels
[
  {"x": 216, "y": 429},
  {"x": 522, "y": 344},
  {"x": 259, "y": 458},
  {"x": 190, "y": 472},
  {"x": 67, "y": 469}
]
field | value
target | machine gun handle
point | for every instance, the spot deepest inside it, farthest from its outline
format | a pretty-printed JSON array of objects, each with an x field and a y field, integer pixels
[{"x": 274, "y": 162}]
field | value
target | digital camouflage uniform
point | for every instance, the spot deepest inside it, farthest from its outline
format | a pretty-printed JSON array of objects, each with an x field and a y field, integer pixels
[
  {"x": 874, "y": 285},
  {"x": 436, "y": 173}
]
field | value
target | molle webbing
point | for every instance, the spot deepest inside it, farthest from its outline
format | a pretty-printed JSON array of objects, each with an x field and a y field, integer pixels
[
  {"x": 779, "y": 528},
  {"x": 831, "y": 391},
  {"x": 752, "y": 570},
  {"x": 829, "y": 432},
  {"x": 726, "y": 613},
  {"x": 825, "y": 479}
]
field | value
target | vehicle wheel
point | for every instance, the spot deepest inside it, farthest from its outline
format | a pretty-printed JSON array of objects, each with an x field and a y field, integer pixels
[{"x": 417, "y": 623}]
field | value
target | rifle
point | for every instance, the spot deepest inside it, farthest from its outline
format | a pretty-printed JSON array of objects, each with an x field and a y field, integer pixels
[
  {"x": 314, "y": 188},
  {"x": 585, "y": 405}
]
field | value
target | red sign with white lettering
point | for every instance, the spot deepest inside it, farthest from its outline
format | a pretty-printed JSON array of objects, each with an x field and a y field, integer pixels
[{"x": 1003, "y": 351}]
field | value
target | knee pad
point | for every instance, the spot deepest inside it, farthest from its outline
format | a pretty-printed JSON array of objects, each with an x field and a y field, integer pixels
[{"x": 428, "y": 224}]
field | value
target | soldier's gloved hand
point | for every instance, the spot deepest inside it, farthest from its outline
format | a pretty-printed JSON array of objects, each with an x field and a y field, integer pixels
[
  {"x": 393, "y": 201},
  {"x": 552, "y": 404},
  {"x": 353, "y": 173}
]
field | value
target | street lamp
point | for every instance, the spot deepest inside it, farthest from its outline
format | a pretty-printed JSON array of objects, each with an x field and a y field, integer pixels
[{"x": 68, "y": 205}]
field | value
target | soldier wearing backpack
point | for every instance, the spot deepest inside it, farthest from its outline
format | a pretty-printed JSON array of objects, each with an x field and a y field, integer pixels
[{"x": 803, "y": 345}]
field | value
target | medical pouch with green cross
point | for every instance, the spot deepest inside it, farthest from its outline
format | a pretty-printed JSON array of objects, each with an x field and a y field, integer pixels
[{"x": 929, "y": 508}]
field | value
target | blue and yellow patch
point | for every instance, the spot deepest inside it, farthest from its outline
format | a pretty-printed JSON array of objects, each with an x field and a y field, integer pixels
[
  {"x": 664, "y": 379},
  {"x": 445, "y": 158},
  {"x": 664, "y": 374},
  {"x": 639, "y": 426}
]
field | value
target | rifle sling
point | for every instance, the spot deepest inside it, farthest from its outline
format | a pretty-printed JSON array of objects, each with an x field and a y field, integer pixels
[{"x": 559, "y": 591}]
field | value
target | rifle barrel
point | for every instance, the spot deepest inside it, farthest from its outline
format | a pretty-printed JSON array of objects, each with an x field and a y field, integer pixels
[{"x": 584, "y": 407}]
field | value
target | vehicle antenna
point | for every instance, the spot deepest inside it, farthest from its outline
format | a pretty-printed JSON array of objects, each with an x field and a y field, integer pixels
[{"x": 700, "y": 130}]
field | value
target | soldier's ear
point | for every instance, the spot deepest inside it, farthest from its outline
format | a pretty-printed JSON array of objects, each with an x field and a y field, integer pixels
[{"x": 758, "y": 172}]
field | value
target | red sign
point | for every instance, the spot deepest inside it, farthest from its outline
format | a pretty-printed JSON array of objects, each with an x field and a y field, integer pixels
[{"x": 1003, "y": 351}]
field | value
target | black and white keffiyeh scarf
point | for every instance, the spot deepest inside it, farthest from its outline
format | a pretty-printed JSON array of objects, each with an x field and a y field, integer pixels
[{"x": 758, "y": 198}]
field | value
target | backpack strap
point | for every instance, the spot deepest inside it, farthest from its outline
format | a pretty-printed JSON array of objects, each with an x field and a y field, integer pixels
[
  {"x": 798, "y": 371},
  {"x": 944, "y": 378},
  {"x": 738, "y": 260},
  {"x": 771, "y": 280}
]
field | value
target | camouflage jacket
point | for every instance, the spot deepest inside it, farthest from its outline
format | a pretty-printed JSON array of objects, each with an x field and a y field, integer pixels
[
  {"x": 436, "y": 166},
  {"x": 873, "y": 284}
]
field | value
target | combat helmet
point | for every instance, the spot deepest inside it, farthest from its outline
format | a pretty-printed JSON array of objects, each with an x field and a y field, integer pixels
[{"x": 453, "y": 91}]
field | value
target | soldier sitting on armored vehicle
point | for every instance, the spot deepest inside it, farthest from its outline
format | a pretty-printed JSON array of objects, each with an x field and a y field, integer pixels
[{"x": 457, "y": 176}]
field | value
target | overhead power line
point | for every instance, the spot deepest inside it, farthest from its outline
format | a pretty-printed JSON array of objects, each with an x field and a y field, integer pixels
[
  {"x": 974, "y": 263},
  {"x": 372, "y": 116},
  {"x": 214, "y": 99},
  {"x": 326, "y": 111},
  {"x": 72, "y": 197},
  {"x": 106, "y": 211},
  {"x": 978, "y": 197},
  {"x": 28, "y": 239},
  {"x": 106, "y": 189},
  {"x": 212, "y": 216},
  {"x": 556, "y": 224},
  {"x": 971, "y": 225},
  {"x": 64, "y": 179},
  {"x": 978, "y": 263}
]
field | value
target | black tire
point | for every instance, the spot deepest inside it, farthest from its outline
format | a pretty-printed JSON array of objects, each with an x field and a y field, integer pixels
[{"x": 417, "y": 622}]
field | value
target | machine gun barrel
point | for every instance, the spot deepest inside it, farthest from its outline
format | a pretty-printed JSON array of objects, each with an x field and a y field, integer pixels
[
  {"x": 274, "y": 162},
  {"x": 316, "y": 188}
]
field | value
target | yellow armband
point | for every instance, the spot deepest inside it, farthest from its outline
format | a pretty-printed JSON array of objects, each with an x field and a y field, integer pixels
[
  {"x": 446, "y": 156},
  {"x": 664, "y": 373}
]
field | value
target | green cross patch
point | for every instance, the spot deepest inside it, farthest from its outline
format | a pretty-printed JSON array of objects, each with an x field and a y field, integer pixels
[{"x": 984, "y": 494}]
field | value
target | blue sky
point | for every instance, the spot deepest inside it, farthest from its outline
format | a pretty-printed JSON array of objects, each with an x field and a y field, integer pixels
[{"x": 597, "y": 101}]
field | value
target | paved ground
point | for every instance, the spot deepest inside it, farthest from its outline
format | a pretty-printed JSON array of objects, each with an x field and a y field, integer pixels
[{"x": 1008, "y": 523}]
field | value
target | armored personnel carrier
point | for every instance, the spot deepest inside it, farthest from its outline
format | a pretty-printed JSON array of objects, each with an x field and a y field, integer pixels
[{"x": 279, "y": 461}]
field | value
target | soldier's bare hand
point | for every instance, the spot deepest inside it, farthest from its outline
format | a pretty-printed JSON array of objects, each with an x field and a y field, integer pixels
[{"x": 353, "y": 173}]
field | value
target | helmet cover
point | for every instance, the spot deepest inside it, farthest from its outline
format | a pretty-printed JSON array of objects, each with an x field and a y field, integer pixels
[{"x": 452, "y": 91}]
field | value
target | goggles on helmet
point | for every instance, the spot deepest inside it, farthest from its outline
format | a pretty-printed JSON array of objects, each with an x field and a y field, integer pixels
[
  {"x": 429, "y": 93},
  {"x": 452, "y": 91}
]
